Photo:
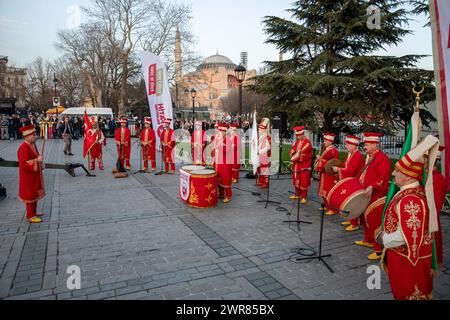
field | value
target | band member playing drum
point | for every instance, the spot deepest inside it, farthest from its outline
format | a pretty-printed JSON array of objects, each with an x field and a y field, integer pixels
[
  {"x": 198, "y": 144},
  {"x": 236, "y": 148},
  {"x": 353, "y": 167},
  {"x": 148, "y": 144},
  {"x": 375, "y": 178},
  {"x": 123, "y": 143},
  {"x": 326, "y": 181},
  {"x": 409, "y": 222},
  {"x": 167, "y": 144},
  {"x": 224, "y": 163},
  {"x": 264, "y": 150},
  {"x": 301, "y": 156}
]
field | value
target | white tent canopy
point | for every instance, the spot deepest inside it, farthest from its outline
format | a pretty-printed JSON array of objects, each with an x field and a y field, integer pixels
[{"x": 89, "y": 111}]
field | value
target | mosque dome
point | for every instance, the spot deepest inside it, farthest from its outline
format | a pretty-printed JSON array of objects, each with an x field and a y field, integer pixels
[{"x": 216, "y": 61}]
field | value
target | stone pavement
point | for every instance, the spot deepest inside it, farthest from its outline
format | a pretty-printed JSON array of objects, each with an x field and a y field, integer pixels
[{"x": 134, "y": 239}]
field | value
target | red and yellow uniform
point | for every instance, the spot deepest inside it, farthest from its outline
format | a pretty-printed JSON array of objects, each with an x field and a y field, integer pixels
[
  {"x": 148, "y": 145},
  {"x": 96, "y": 152},
  {"x": 168, "y": 144},
  {"x": 198, "y": 144},
  {"x": 236, "y": 149},
  {"x": 408, "y": 245},
  {"x": 123, "y": 144},
  {"x": 212, "y": 146},
  {"x": 265, "y": 152},
  {"x": 354, "y": 163},
  {"x": 376, "y": 174},
  {"x": 31, "y": 180},
  {"x": 223, "y": 163},
  {"x": 301, "y": 156},
  {"x": 409, "y": 223},
  {"x": 326, "y": 181}
]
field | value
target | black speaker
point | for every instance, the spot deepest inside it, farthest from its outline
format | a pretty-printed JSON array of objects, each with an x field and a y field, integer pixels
[{"x": 279, "y": 121}]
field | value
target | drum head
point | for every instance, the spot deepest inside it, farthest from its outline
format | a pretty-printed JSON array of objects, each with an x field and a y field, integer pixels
[
  {"x": 355, "y": 205},
  {"x": 192, "y": 168},
  {"x": 203, "y": 172}
]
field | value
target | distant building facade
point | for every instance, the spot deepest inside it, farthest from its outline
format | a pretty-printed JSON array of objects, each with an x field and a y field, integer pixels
[{"x": 12, "y": 85}]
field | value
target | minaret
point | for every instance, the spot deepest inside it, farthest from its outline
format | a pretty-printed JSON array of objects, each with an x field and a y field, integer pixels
[{"x": 178, "y": 60}]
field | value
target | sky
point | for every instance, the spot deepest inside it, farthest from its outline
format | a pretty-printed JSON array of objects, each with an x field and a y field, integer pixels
[{"x": 28, "y": 29}]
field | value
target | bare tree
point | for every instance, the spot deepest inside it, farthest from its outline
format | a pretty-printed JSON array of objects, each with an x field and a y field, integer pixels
[{"x": 38, "y": 90}]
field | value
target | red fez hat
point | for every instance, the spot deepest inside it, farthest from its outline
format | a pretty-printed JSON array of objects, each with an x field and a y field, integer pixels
[
  {"x": 27, "y": 130},
  {"x": 299, "y": 130},
  {"x": 329, "y": 137},
  {"x": 352, "y": 140},
  {"x": 372, "y": 137}
]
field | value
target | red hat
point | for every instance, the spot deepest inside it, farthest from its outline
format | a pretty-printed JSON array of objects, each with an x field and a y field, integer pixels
[
  {"x": 223, "y": 127},
  {"x": 93, "y": 119},
  {"x": 329, "y": 137},
  {"x": 264, "y": 123},
  {"x": 352, "y": 140},
  {"x": 27, "y": 130},
  {"x": 299, "y": 130},
  {"x": 148, "y": 120},
  {"x": 234, "y": 125},
  {"x": 167, "y": 121},
  {"x": 372, "y": 137},
  {"x": 409, "y": 167},
  {"x": 123, "y": 120}
]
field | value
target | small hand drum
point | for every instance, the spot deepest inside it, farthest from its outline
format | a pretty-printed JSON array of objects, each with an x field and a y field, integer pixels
[{"x": 333, "y": 163}]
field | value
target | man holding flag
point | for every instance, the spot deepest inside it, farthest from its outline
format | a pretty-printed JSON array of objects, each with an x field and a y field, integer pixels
[
  {"x": 409, "y": 223},
  {"x": 123, "y": 143},
  {"x": 93, "y": 141},
  {"x": 148, "y": 144}
]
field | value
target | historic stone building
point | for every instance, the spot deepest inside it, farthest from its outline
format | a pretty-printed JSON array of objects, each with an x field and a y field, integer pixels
[
  {"x": 12, "y": 85},
  {"x": 213, "y": 80}
]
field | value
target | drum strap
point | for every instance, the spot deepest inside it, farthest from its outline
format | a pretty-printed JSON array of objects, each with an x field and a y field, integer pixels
[{"x": 366, "y": 166}]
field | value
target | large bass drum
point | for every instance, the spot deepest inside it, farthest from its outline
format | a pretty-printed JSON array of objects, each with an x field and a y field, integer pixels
[{"x": 348, "y": 196}]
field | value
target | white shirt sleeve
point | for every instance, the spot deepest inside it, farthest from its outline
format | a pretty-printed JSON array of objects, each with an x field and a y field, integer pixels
[{"x": 393, "y": 240}]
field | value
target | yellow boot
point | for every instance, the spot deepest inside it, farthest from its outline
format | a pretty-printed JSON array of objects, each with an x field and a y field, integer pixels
[
  {"x": 294, "y": 197},
  {"x": 374, "y": 256},
  {"x": 304, "y": 201},
  {"x": 226, "y": 200},
  {"x": 345, "y": 223},
  {"x": 364, "y": 244},
  {"x": 330, "y": 213},
  {"x": 35, "y": 220},
  {"x": 351, "y": 228}
]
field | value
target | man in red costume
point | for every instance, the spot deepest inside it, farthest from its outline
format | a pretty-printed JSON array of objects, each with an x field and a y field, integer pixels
[
  {"x": 301, "y": 156},
  {"x": 326, "y": 181},
  {"x": 353, "y": 167},
  {"x": 168, "y": 144},
  {"x": 198, "y": 144},
  {"x": 31, "y": 180},
  {"x": 96, "y": 152},
  {"x": 236, "y": 149},
  {"x": 123, "y": 143},
  {"x": 375, "y": 178},
  {"x": 148, "y": 144},
  {"x": 223, "y": 163},
  {"x": 264, "y": 151},
  {"x": 407, "y": 231},
  {"x": 212, "y": 145}
]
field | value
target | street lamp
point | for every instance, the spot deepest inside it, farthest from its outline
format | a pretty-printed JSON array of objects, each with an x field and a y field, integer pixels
[
  {"x": 193, "y": 95},
  {"x": 55, "y": 82},
  {"x": 240, "y": 72}
]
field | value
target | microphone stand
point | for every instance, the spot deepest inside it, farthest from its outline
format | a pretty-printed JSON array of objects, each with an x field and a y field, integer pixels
[
  {"x": 298, "y": 221},
  {"x": 319, "y": 255},
  {"x": 267, "y": 201}
]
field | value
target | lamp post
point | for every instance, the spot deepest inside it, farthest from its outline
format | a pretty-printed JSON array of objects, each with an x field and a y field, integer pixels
[
  {"x": 55, "y": 82},
  {"x": 193, "y": 93},
  {"x": 240, "y": 72}
]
